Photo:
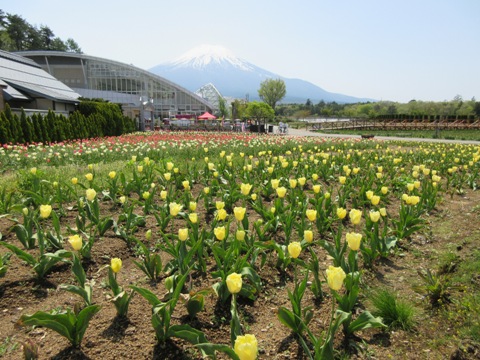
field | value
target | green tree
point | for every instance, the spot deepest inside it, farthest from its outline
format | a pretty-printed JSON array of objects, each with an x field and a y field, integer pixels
[
  {"x": 259, "y": 111},
  {"x": 18, "y": 30},
  {"x": 272, "y": 91},
  {"x": 72, "y": 46},
  {"x": 222, "y": 107},
  {"x": 26, "y": 127}
]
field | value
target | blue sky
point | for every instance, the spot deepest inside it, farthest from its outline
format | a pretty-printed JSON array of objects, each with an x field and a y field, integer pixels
[{"x": 395, "y": 50}]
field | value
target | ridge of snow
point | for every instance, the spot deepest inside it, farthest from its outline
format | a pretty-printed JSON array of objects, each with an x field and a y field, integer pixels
[{"x": 206, "y": 55}]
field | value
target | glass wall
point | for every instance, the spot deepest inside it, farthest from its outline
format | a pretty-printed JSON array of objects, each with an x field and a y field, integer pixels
[{"x": 108, "y": 78}]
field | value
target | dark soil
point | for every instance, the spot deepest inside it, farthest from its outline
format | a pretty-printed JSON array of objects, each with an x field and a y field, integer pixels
[{"x": 454, "y": 226}]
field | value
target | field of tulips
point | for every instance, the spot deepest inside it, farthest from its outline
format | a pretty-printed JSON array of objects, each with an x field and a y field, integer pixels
[{"x": 239, "y": 246}]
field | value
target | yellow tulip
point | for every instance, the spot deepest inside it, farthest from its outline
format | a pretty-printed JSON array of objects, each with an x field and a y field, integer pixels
[
  {"x": 186, "y": 184},
  {"x": 316, "y": 189},
  {"x": 281, "y": 192},
  {"x": 239, "y": 213},
  {"x": 245, "y": 188},
  {"x": 335, "y": 277},
  {"x": 192, "y": 206},
  {"x": 311, "y": 214},
  {"x": 175, "y": 208},
  {"x": 355, "y": 216},
  {"x": 246, "y": 347},
  {"x": 116, "y": 264},
  {"x": 240, "y": 235},
  {"x": 294, "y": 249},
  {"x": 146, "y": 195},
  {"x": 193, "y": 217},
  {"x": 353, "y": 240},
  {"x": 122, "y": 199},
  {"x": 308, "y": 236},
  {"x": 219, "y": 232},
  {"x": 74, "y": 181},
  {"x": 383, "y": 212},
  {"x": 384, "y": 190},
  {"x": 91, "y": 194},
  {"x": 375, "y": 216},
  {"x": 342, "y": 179},
  {"x": 293, "y": 183},
  {"x": 221, "y": 214},
  {"x": 45, "y": 211},
  {"x": 167, "y": 176},
  {"x": 140, "y": 168},
  {"x": 183, "y": 234},
  {"x": 206, "y": 190},
  {"x": 112, "y": 174},
  {"x": 76, "y": 242},
  {"x": 33, "y": 170},
  {"x": 369, "y": 194},
  {"x": 414, "y": 200},
  {"x": 341, "y": 213},
  {"x": 254, "y": 197},
  {"x": 302, "y": 181},
  {"x": 169, "y": 166},
  {"x": 89, "y": 176},
  {"x": 275, "y": 183},
  {"x": 416, "y": 184},
  {"x": 163, "y": 194},
  {"x": 375, "y": 199},
  {"x": 234, "y": 283},
  {"x": 219, "y": 205}
]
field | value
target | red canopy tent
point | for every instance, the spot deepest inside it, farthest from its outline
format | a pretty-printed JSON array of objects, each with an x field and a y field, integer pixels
[{"x": 207, "y": 116}]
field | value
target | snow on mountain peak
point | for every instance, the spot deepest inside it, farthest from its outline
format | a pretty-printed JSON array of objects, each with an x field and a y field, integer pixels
[{"x": 205, "y": 55}]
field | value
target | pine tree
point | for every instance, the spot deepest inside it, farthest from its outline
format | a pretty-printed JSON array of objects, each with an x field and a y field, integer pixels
[{"x": 26, "y": 127}]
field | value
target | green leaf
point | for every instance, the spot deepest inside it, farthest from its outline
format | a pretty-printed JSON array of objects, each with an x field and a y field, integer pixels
[
  {"x": 78, "y": 271},
  {"x": 287, "y": 318},
  {"x": 209, "y": 348},
  {"x": 22, "y": 255},
  {"x": 365, "y": 321},
  {"x": 83, "y": 318},
  {"x": 62, "y": 323},
  {"x": 148, "y": 295},
  {"x": 77, "y": 290}
]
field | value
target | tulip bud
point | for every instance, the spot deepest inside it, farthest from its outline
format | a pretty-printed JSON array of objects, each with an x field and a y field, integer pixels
[
  {"x": 294, "y": 249},
  {"x": 183, "y": 234},
  {"x": 234, "y": 283},
  {"x": 116, "y": 264},
  {"x": 335, "y": 277}
]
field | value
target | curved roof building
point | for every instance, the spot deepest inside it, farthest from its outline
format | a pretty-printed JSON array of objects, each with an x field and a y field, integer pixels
[
  {"x": 24, "y": 84},
  {"x": 141, "y": 93}
]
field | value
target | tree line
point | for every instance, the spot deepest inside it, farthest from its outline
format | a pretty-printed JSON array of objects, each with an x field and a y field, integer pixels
[
  {"x": 16, "y": 34},
  {"x": 91, "y": 119},
  {"x": 456, "y": 108}
]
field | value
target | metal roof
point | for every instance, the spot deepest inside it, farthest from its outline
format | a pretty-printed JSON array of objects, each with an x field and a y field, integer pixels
[{"x": 29, "y": 78}]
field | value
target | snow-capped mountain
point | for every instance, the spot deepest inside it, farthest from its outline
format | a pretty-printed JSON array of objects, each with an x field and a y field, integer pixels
[{"x": 237, "y": 78}]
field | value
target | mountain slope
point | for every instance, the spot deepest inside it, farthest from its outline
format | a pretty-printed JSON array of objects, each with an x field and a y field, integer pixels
[{"x": 237, "y": 78}]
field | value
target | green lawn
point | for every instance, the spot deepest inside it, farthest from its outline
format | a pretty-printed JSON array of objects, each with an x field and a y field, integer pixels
[{"x": 429, "y": 134}]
